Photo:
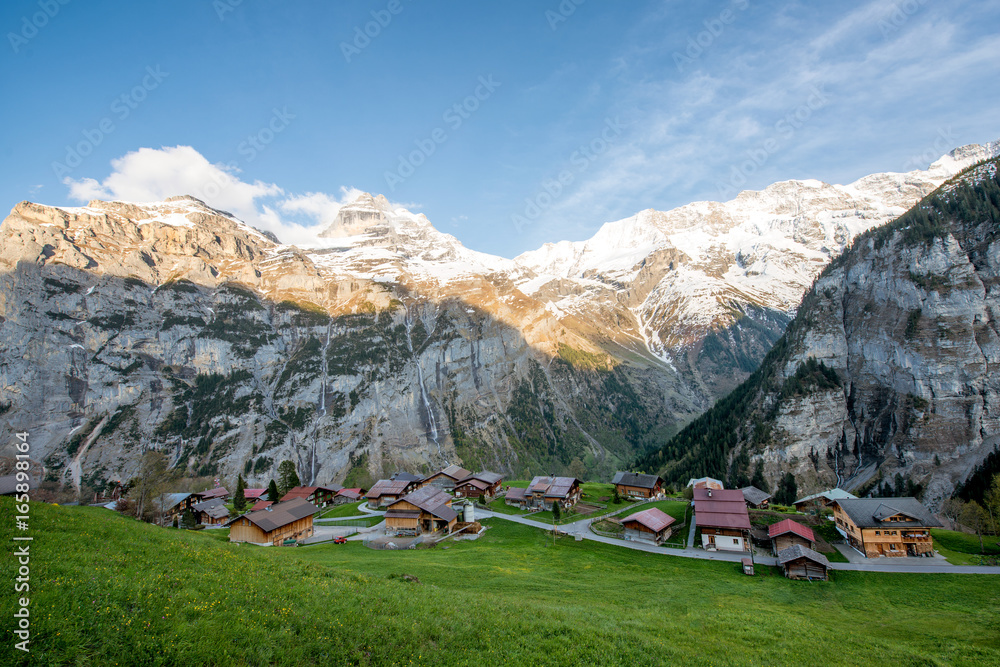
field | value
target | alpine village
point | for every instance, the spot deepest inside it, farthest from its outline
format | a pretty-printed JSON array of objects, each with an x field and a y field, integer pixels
[{"x": 254, "y": 425}]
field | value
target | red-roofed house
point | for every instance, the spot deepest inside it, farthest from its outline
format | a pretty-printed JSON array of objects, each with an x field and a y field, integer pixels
[
  {"x": 261, "y": 504},
  {"x": 788, "y": 533},
  {"x": 652, "y": 525},
  {"x": 345, "y": 496},
  {"x": 723, "y": 519},
  {"x": 253, "y": 495}
]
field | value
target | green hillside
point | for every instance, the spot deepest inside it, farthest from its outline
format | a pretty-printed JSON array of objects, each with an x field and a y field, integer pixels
[{"x": 108, "y": 590}]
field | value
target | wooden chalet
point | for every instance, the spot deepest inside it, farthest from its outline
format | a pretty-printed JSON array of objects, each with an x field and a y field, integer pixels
[
  {"x": 723, "y": 519},
  {"x": 253, "y": 495},
  {"x": 484, "y": 485},
  {"x": 755, "y": 498},
  {"x": 822, "y": 499},
  {"x": 446, "y": 479},
  {"x": 426, "y": 510},
  {"x": 386, "y": 491},
  {"x": 516, "y": 497},
  {"x": 706, "y": 483},
  {"x": 321, "y": 496},
  {"x": 638, "y": 485},
  {"x": 292, "y": 519},
  {"x": 652, "y": 525},
  {"x": 175, "y": 504},
  {"x": 544, "y": 491},
  {"x": 401, "y": 475},
  {"x": 210, "y": 512},
  {"x": 788, "y": 533},
  {"x": 799, "y": 562},
  {"x": 345, "y": 496},
  {"x": 893, "y": 527},
  {"x": 261, "y": 504}
]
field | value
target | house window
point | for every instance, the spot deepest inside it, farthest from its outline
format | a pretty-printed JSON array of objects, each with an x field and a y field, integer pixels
[{"x": 876, "y": 532}]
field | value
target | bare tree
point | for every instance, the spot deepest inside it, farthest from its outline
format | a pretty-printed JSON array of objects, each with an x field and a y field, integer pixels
[
  {"x": 976, "y": 518},
  {"x": 149, "y": 483}
]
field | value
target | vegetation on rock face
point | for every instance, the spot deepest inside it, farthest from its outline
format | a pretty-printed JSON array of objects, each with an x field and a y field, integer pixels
[
  {"x": 112, "y": 590},
  {"x": 718, "y": 442}
]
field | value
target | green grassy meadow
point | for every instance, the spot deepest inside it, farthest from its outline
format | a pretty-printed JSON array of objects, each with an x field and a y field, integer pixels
[
  {"x": 350, "y": 509},
  {"x": 962, "y": 548},
  {"x": 108, "y": 590}
]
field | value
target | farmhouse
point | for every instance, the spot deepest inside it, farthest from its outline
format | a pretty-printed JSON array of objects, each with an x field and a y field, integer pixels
[
  {"x": 348, "y": 496},
  {"x": 426, "y": 510},
  {"x": 637, "y": 485},
  {"x": 652, "y": 525},
  {"x": 446, "y": 479},
  {"x": 543, "y": 491},
  {"x": 173, "y": 504},
  {"x": 483, "y": 485},
  {"x": 321, "y": 496},
  {"x": 292, "y": 519},
  {"x": 385, "y": 491},
  {"x": 210, "y": 512},
  {"x": 755, "y": 498},
  {"x": 706, "y": 483},
  {"x": 516, "y": 496},
  {"x": 788, "y": 533},
  {"x": 885, "y": 526},
  {"x": 723, "y": 519},
  {"x": 822, "y": 499},
  {"x": 799, "y": 562}
]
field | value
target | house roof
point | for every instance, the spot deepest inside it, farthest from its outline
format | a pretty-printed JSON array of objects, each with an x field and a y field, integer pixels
[
  {"x": 516, "y": 493},
  {"x": 305, "y": 491},
  {"x": 253, "y": 494},
  {"x": 216, "y": 511},
  {"x": 789, "y": 526},
  {"x": 875, "y": 512},
  {"x": 706, "y": 482},
  {"x": 472, "y": 481},
  {"x": 352, "y": 494},
  {"x": 405, "y": 477},
  {"x": 636, "y": 479},
  {"x": 172, "y": 500},
  {"x": 654, "y": 518},
  {"x": 281, "y": 514},
  {"x": 206, "y": 505},
  {"x": 755, "y": 496},
  {"x": 552, "y": 487},
  {"x": 832, "y": 494},
  {"x": 455, "y": 472},
  {"x": 490, "y": 478},
  {"x": 217, "y": 492},
  {"x": 430, "y": 499},
  {"x": 797, "y": 551},
  {"x": 720, "y": 508},
  {"x": 261, "y": 504},
  {"x": 388, "y": 487}
]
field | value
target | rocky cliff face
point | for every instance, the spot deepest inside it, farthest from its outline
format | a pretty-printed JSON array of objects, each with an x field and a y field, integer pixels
[
  {"x": 890, "y": 366},
  {"x": 176, "y": 327}
]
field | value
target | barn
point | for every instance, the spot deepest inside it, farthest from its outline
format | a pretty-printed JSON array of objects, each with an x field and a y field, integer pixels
[
  {"x": 292, "y": 519},
  {"x": 652, "y": 525},
  {"x": 799, "y": 562}
]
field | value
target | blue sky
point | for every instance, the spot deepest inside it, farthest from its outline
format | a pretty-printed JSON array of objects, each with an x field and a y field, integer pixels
[{"x": 280, "y": 111}]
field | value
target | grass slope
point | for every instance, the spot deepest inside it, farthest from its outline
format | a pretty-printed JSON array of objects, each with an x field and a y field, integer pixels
[{"x": 108, "y": 590}]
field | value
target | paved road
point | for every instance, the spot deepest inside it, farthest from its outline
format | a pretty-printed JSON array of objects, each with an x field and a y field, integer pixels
[{"x": 905, "y": 565}]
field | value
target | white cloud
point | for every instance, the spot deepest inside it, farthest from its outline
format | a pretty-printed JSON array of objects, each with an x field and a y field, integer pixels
[{"x": 151, "y": 174}]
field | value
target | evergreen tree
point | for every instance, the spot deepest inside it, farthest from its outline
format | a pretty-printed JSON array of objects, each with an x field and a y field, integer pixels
[
  {"x": 272, "y": 492},
  {"x": 288, "y": 479},
  {"x": 758, "y": 479},
  {"x": 187, "y": 519},
  {"x": 240, "y": 500},
  {"x": 787, "y": 490},
  {"x": 556, "y": 511}
]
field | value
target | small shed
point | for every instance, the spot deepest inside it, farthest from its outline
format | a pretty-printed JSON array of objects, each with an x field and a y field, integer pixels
[
  {"x": 799, "y": 562},
  {"x": 756, "y": 499},
  {"x": 652, "y": 525},
  {"x": 747, "y": 566},
  {"x": 788, "y": 533}
]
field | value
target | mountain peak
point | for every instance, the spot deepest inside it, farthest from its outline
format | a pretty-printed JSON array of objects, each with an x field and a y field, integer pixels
[{"x": 360, "y": 216}]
